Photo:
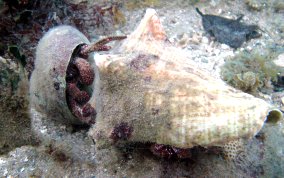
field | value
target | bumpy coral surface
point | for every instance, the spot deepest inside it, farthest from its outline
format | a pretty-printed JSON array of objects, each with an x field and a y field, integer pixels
[{"x": 233, "y": 149}]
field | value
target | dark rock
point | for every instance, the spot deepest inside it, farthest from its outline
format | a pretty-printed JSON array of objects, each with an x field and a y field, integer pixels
[{"x": 228, "y": 31}]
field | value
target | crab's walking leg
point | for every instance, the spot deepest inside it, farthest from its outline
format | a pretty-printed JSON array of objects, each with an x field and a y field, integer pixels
[
  {"x": 100, "y": 45},
  {"x": 80, "y": 74}
]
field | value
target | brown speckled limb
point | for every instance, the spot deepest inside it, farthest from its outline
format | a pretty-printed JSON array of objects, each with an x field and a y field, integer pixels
[
  {"x": 85, "y": 113},
  {"x": 77, "y": 94},
  {"x": 80, "y": 74},
  {"x": 86, "y": 72},
  {"x": 100, "y": 45}
]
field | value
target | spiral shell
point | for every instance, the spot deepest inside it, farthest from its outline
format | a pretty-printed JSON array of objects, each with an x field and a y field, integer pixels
[{"x": 162, "y": 97}]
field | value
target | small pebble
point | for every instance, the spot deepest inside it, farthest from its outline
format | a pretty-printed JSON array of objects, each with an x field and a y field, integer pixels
[
  {"x": 195, "y": 39},
  {"x": 183, "y": 42},
  {"x": 26, "y": 159},
  {"x": 204, "y": 60},
  {"x": 249, "y": 48},
  {"x": 5, "y": 172},
  {"x": 217, "y": 52},
  {"x": 205, "y": 40},
  {"x": 224, "y": 46},
  {"x": 280, "y": 60}
]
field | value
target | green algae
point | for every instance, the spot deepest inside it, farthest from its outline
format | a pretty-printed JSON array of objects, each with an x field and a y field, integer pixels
[{"x": 251, "y": 71}]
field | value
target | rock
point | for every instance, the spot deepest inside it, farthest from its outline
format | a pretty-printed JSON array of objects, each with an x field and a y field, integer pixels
[
  {"x": 15, "y": 129},
  {"x": 183, "y": 42},
  {"x": 256, "y": 5},
  {"x": 228, "y": 31},
  {"x": 196, "y": 38},
  {"x": 280, "y": 60},
  {"x": 224, "y": 46},
  {"x": 205, "y": 40}
]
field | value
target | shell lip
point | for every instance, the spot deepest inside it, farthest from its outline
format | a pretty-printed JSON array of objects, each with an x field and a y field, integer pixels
[{"x": 274, "y": 116}]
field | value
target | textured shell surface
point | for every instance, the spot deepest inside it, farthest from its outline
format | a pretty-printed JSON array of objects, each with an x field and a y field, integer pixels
[
  {"x": 158, "y": 91},
  {"x": 48, "y": 85}
]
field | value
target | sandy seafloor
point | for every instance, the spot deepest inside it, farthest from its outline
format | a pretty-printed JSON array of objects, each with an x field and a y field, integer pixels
[{"x": 262, "y": 157}]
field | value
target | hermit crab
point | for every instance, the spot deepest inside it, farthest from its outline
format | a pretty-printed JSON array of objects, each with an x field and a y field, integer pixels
[
  {"x": 145, "y": 90},
  {"x": 63, "y": 78}
]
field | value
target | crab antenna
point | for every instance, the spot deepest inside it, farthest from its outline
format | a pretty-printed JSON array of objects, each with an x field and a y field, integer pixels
[{"x": 100, "y": 45}]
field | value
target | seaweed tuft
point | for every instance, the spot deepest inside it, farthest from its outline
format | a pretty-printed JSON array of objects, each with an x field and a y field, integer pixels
[{"x": 251, "y": 71}]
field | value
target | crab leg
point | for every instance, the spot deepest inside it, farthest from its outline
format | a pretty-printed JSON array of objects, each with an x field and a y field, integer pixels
[
  {"x": 80, "y": 74},
  {"x": 100, "y": 45},
  {"x": 86, "y": 72}
]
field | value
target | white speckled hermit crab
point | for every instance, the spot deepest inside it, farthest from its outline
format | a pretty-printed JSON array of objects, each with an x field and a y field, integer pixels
[{"x": 146, "y": 90}]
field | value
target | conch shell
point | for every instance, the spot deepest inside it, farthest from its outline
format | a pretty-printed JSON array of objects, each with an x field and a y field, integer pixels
[{"x": 152, "y": 91}]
